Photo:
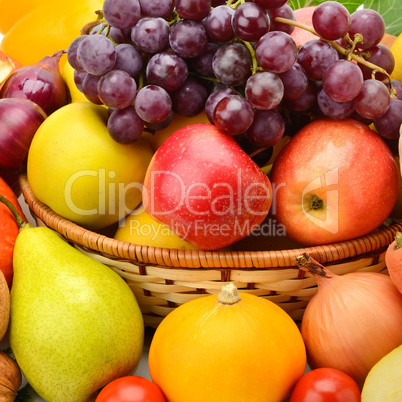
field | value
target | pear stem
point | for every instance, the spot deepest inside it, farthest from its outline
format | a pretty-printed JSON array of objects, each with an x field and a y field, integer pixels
[{"x": 11, "y": 207}]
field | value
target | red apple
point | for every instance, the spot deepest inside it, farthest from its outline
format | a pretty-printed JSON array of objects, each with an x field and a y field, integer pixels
[
  {"x": 304, "y": 16},
  {"x": 333, "y": 181},
  {"x": 206, "y": 188}
]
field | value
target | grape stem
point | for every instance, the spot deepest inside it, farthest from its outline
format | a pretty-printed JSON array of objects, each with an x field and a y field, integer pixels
[
  {"x": 233, "y": 5},
  {"x": 252, "y": 52},
  {"x": 346, "y": 52}
]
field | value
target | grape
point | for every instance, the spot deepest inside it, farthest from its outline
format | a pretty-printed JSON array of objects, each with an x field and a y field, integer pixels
[
  {"x": 90, "y": 88},
  {"x": 283, "y": 12},
  {"x": 232, "y": 64},
  {"x": 121, "y": 14},
  {"x": 188, "y": 38},
  {"x": 382, "y": 57},
  {"x": 315, "y": 56},
  {"x": 388, "y": 125},
  {"x": 276, "y": 52},
  {"x": 250, "y": 22},
  {"x": 104, "y": 29},
  {"x": 156, "y": 8},
  {"x": 397, "y": 85},
  {"x": 333, "y": 109},
  {"x": 233, "y": 114},
  {"x": 342, "y": 80},
  {"x": 294, "y": 81},
  {"x": 117, "y": 89},
  {"x": 72, "y": 53},
  {"x": 193, "y": 9},
  {"x": 162, "y": 124},
  {"x": 214, "y": 98},
  {"x": 167, "y": 70},
  {"x": 79, "y": 78},
  {"x": 153, "y": 104},
  {"x": 373, "y": 99},
  {"x": 189, "y": 100},
  {"x": 267, "y": 128},
  {"x": 202, "y": 64},
  {"x": 264, "y": 90},
  {"x": 369, "y": 24},
  {"x": 96, "y": 54},
  {"x": 331, "y": 20},
  {"x": 218, "y": 24},
  {"x": 270, "y": 4},
  {"x": 124, "y": 125},
  {"x": 128, "y": 59},
  {"x": 358, "y": 117},
  {"x": 305, "y": 101},
  {"x": 150, "y": 35},
  {"x": 216, "y": 3}
]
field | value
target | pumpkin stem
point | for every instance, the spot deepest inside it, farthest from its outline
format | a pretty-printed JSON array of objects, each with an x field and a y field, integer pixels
[{"x": 229, "y": 294}]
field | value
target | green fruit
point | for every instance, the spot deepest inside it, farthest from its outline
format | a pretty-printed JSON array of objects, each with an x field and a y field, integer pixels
[
  {"x": 80, "y": 172},
  {"x": 75, "y": 324}
]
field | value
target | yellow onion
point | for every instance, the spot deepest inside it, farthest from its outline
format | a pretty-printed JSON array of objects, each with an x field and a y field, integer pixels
[{"x": 352, "y": 321}]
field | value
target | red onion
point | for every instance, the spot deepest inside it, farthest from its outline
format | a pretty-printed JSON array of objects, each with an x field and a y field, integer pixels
[
  {"x": 19, "y": 120},
  {"x": 41, "y": 83}
]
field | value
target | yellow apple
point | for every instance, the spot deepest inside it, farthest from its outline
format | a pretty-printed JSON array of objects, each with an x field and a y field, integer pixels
[
  {"x": 140, "y": 228},
  {"x": 78, "y": 170},
  {"x": 67, "y": 73}
]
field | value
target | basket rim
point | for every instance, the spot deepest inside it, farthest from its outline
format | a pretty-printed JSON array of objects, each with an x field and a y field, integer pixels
[{"x": 371, "y": 244}]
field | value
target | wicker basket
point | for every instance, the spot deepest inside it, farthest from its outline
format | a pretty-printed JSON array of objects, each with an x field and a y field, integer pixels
[{"x": 163, "y": 279}]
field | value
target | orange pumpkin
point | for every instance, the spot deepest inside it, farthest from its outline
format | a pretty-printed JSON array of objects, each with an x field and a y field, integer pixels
[
  {"x": 8, "y": 231},
  {"x": 227, "y": 347}
]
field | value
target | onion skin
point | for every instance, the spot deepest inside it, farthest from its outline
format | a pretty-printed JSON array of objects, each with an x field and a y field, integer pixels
[
  {"x": 393, "y": 261},
  {"x": 19, "y": 120},
  {"x": 352, "y": 321},
  {"x": 41, "y": 83}
]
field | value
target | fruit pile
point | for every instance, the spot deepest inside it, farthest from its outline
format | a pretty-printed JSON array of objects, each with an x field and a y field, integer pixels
[
  {"x": 204, "y": 121},
  {"x": 239, "y": 62}
]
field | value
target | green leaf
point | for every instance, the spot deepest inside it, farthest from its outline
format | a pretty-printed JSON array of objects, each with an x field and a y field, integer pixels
[
  {"x": 351, "y": 5},
  {"x": 391, "y": 10}
]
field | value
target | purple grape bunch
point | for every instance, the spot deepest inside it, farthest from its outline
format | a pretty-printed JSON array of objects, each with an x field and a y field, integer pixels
[{"x": 238, "y": 63}]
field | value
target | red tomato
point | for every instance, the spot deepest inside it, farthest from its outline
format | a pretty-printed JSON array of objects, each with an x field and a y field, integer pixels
[
  {"x": 326, "y": 384},
  {"x": 131, "y": 389}
]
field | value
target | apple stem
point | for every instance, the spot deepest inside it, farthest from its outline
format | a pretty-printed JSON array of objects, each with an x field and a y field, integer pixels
[{"x": 316, "y": 202}]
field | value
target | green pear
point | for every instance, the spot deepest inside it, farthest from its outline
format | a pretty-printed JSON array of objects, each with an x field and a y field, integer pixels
[{"x": 75, "y": 324}]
